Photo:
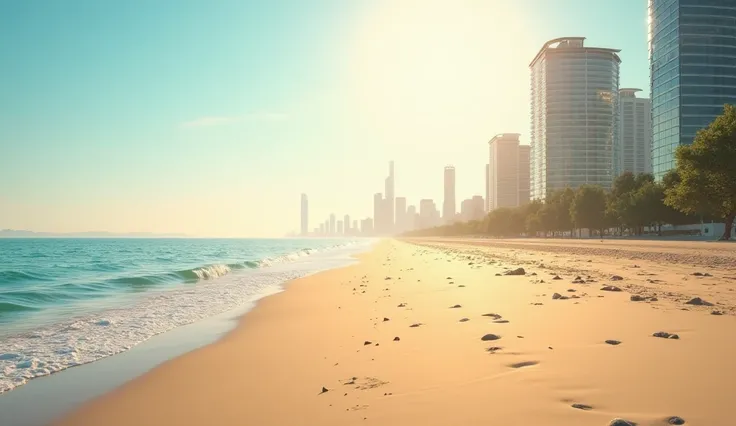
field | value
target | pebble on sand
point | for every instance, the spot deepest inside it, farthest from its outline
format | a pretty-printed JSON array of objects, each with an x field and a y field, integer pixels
[
  {"x": 665, "y": 335},
  {"x": 464, "y": 319},
  {"x": 415, "y": 325},
  {"x": 610, "y": 288},
  {"x": 621, "y": 422},
  {"x": 385, "y": 319},
  {"x": 636, "y": 298},
  {"x": 517, "y": 271},
  {"x": 698, "y": 302},
  {"x": 616, "y": 278},
  {"x": 556, "y": 277},
  {"x": 324, "y": 389},
  {"x": 489, "y": 337},
  {"x": 716, "y": 313},
  {"x": 613, "y": 342},
  {"x": 367, "y": 342},
  {"x": 455, "y": 306},
  {"x": 582, "y": 407},
  {"x": 396, "y": 339},
  {"x": 675, "y": 420}
]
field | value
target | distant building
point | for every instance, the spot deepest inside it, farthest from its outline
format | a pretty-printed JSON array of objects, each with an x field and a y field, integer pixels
[
  {"x": 388, "y": 212},
  {"x": 428, "y": 214},
  {"x": 321, "y": 229},
  {"x": 346, "y": 221},
  {"x": 327, "y": 227},
  {"x": 366, "y": 227},
  {"x": 574, "y": 108},
  {"x": 332, "y": 224},
  {"x": 634, "y": 148},
  {"x": 448, "y": 207},
  {"x": 488, "y": 187},
  {"x": 378, "y": 213},
  {"x": 339, "y": 227},
  {"x": 477, "y": 208},
  {"x": 354, "y": 229},
  {"x": 508, "y": 172},
  {"x": 305, "y": 215},
  {"x": 400, "y": 216}
]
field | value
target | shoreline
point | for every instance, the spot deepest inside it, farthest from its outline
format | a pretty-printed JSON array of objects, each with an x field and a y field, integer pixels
[
  {"x": 545, "y": 356},
  {"x": 70, "y": 388}
]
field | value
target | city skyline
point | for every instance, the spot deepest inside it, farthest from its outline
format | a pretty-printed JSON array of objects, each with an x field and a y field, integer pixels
[{"x": 125, "y": 132}]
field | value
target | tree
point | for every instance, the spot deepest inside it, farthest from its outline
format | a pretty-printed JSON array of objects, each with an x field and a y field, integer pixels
[
  {"x": 707, "y": 172},
  {"x": 588, "y": 209}
]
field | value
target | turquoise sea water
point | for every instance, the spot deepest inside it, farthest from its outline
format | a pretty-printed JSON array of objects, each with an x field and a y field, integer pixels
[{"x": 65, "y": 302}]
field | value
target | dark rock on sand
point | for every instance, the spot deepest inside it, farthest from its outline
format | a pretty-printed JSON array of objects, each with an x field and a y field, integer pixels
[
  {"x": 571, "y": 290},
  {"x": 498, "y": 275},
  {"x": 367, "y": 342},
  {"x": 396, "y": 339},
  {"x": 675, "y": 420},
  {"x": 517, "y": 271},
  {"x": 701, "y": 274},
  {"x": 610, "y": 288},
  {"x": 665, "y": 335},
  {"x": 582, "y": 407},
  {"x": 494, "y": 349},
  {"x": 401, "y": 305},
  {"x": 415, "y": 325},
  {"x": 653, "y": 299},
  {"x": 559, "y": 296},
  {"x": 716, "y": 313},
  {"x": 613, "y": 342},
  {"x": 501, "y": 321},
  {"x": 489, "y": 337},
  {"x": 494, "y": 316},
  {"x": 385, "y": 319},
  {"x": 636, "y": 298},
  {"x": 698, "y": 302},
  {"x": 455, "y": 306},
  {"x": 461, "y": 285},
  {"x": 464, "y": 319},
  {"x": 324, "y": 389},
  {"x": 621, "y": 422},
  {"x": 616, "y": 278},
  {"x": 556, "y": 277}
]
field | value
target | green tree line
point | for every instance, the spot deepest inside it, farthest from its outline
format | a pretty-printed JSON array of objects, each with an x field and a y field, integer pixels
[{"x": 702, "y": 186}]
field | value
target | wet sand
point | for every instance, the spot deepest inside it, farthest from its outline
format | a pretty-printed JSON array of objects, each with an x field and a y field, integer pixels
[{"x": 434, "y": 332}]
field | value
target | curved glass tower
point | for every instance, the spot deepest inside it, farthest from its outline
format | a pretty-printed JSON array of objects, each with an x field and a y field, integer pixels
[
  {"x": 692, "y": 56},
  {"x": 574, "y": 101}
]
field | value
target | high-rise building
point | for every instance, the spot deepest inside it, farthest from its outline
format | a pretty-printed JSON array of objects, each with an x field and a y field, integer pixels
[
  {"x": 692, "y": 58},
  {"x": 346, "y": 221},
  {"x": 305, "y": 215},
  {"x": 339, "y": 227},
  {"x": 634, "y": 148},
  {"x": 366, "y": 227},
  {"x": 332, "y": 224},
  {"x": 388, "y": 215},
  {"x": 378, "y": 212},
  {"x": 448, "y": 207},
  {"x": 321, "y": 229},
  {"x": 355, "y": 229},
  {"x": 428, "y": 214},
  {"x": 477, "y": 208},
  {"x": 488, "y": 187},
  {"x": 508, "y": 172},
  {"x": 574, "y": 106},
  {"x": 400, "y": 216},
  {"x": 525, "y": 152}
]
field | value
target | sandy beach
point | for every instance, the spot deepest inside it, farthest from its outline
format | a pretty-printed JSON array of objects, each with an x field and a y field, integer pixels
[{"x": 435, "y": 332}]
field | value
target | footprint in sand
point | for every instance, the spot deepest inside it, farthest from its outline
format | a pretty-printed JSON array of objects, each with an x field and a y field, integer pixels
[{"x": 523, "y": 364}]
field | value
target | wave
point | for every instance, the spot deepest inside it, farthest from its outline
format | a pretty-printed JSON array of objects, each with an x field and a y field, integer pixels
[
  {"x": 15, "y": 307},
  {"x": 19, "y": 276}
]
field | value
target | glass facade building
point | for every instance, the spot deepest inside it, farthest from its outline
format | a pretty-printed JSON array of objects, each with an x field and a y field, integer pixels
[
  {"x": 574, "y": 115},
  {"x": 692, "y": 56}
]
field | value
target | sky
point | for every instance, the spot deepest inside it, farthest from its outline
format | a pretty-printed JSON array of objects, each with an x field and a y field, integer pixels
[{"x": 210, "y": 118}]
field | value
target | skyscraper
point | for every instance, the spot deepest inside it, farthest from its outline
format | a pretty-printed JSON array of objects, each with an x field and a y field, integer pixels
[
  {"x": 378, "y": 212},
  {"x": 305, "y": 215},
  {"x": 400, "y": 216},
  {"x": 448, "y": 207},
  {"x": 692, "y": 58},
  {"x": 339, "y": 227},
  {"x": 488, "y": 187},
  {"x": 574, "y": 100},
  {"x": 346, "y": 221},
  {"x": 411, "y": 218},
  {"x": 388, "y": 218},
  {"x": 508, "y": 172},
  {"x": 332, "y": 224},
  {"x": 634, "y": 148},
  {"x": 355, "y": 227}
]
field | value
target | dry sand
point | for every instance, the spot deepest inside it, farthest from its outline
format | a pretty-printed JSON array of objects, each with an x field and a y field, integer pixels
[{"x": 337, "y": 329}]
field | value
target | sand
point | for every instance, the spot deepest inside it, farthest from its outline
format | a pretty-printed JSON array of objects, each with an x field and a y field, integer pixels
[{"x": 473, "y": 347}]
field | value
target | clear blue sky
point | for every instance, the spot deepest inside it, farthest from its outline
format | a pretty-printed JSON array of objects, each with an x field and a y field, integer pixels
[{"x": 211, "y": 117}]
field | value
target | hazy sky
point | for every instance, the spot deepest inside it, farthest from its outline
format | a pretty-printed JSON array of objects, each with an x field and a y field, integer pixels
[{"x": 212, "y": 117}]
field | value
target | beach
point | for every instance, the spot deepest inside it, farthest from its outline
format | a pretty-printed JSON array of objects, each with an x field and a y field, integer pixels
[{"x": 450, "y": 331}]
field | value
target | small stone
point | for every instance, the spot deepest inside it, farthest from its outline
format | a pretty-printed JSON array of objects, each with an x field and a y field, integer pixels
[
  {"x": 665, "y": 335},
  {"x": 367, "y": 342},
  {"x": 716, "y": 313},
  {"x": 653, "y": 299},
  {"x": 324, "y": 389},
  {"x": 498, "y": 275},
  {"x": 461, "y": 285},
  {"x": 571, "y": 290},
  {"x": 556, "y": 277},
  {"x": 698, "y": 302},
  {"x": 517, "y": 271},
  {"x": 534, "y": 274},
  {"x": 415, "y": 325},
  {"x": 385, "y": 319},
  {"x": 557, "y": 296},
  {"x": 387, "y": 278},
  {"x": 675, "y": 420},
  {"x": 613, "y": 342},
  {"x": 582, "y": 407},
  {"x": 501, "y": 321},
  {"x": 621, "y": 422},
  {"x": 455, "y": 306},
  {"x": 489, "y": 337},
  {"x": 636, "y": 298},
  {"x": 494, "y": 349},
  {"x": 401, "y": 305},
  {"x": 610, "y": 288},
  {"x": 616, "y": 278},
  {"x": 494, "y": 316},
  {"x": 396, "y": 339},
  {"x": 464, "y": 319},
  {"x": 449, "y": 278}
]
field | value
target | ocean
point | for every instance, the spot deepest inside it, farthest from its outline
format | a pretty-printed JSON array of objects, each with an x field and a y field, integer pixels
[{"x": 67, "y": 302}]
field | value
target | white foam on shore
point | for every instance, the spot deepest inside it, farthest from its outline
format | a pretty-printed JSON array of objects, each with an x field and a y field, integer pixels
[{"x": 91, "y": 337}]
